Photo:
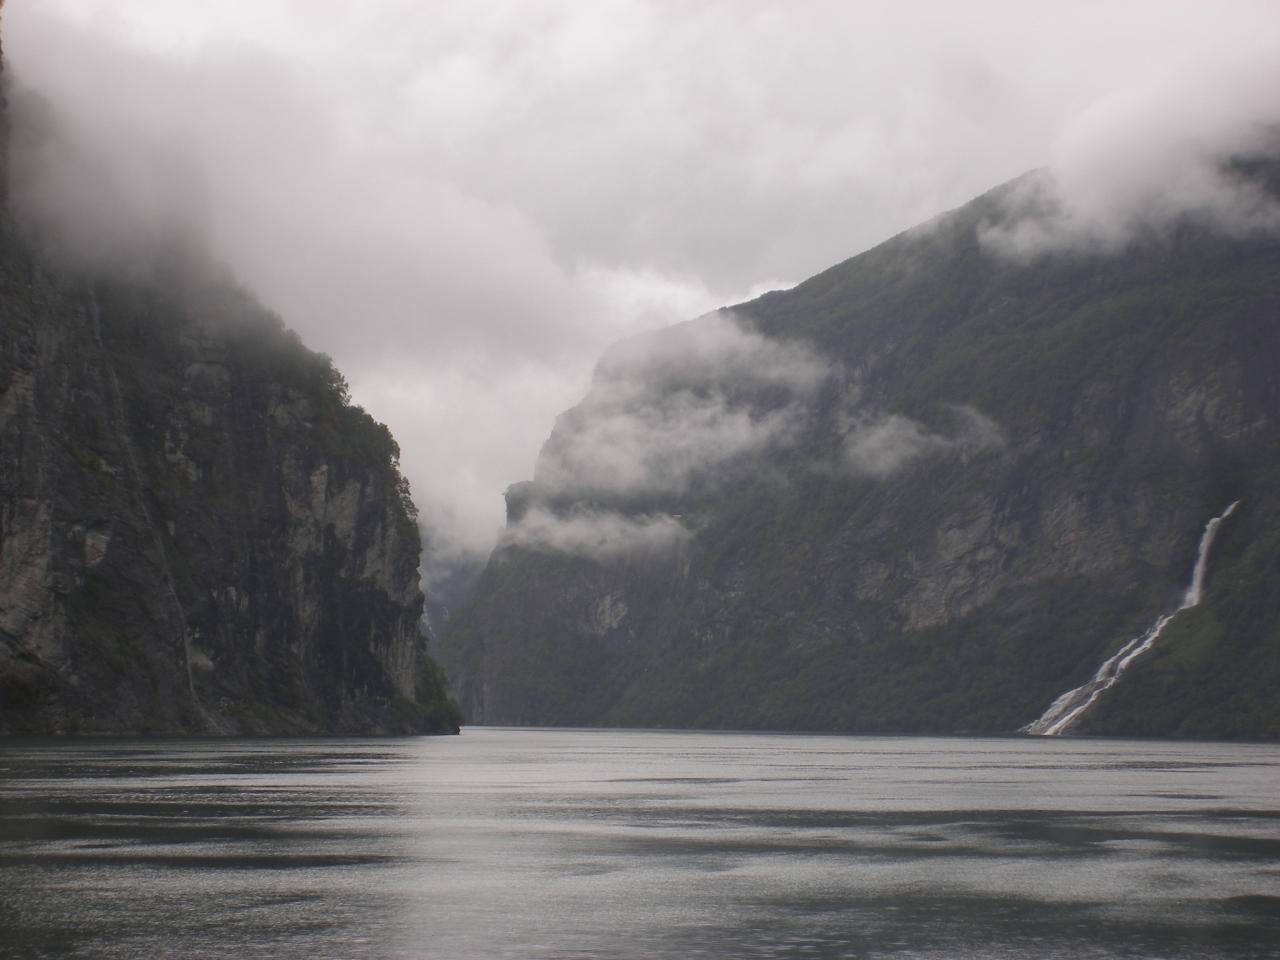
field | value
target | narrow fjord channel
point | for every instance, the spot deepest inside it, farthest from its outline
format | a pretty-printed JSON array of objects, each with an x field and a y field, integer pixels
[{"x": 508, "y": 843}]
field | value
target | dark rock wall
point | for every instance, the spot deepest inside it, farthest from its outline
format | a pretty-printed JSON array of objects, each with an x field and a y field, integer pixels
[
  {"x": 1135, "y": 394},
  {"x": 199, "y": 533}
]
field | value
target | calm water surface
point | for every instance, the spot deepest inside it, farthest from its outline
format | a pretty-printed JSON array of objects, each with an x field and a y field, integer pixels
[{"x": 577, "y": 844}]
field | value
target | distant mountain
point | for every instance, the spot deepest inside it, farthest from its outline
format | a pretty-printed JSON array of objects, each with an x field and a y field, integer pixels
[{"x": 928, "y": 490}]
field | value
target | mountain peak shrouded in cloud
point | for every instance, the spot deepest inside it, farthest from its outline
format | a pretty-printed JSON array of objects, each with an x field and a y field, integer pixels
[
  {"x": 1147, "y": 157},
  {"x": 997, "y": 477},
  {"x": 668, "y": 411},
  {"x": 466, "y": 204},
  {"x": 102, "y": 198},
  {"x": 668, "y": 415}
]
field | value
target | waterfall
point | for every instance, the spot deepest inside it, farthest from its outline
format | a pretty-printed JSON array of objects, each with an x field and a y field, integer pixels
[{"x": 1067, "y": 710}]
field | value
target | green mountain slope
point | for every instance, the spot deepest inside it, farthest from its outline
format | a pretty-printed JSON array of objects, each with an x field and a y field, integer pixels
[{"x": 998, "y": 477}]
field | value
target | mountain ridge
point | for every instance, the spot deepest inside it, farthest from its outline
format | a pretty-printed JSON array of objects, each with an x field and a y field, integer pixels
[
  {"x": 200, "y": 533},
  {"x": 1051, "y": 434}
]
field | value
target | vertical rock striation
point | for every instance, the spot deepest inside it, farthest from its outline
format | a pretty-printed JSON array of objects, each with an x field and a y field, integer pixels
[{"x": 200, "y": 533}]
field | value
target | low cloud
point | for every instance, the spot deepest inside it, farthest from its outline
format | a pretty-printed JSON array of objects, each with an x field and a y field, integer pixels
[
  {"x": 669, "y": 411},
  {"x": 101, "y": 193},
  {"x": 882, "y": 446},
  {"x": 661, "y": 447},
  {"x": 1150, "y": 156},
  {"x": 601, "y": 535},
  {"x": 465, "y": 206},
  {"x": 716, "y": 352}
]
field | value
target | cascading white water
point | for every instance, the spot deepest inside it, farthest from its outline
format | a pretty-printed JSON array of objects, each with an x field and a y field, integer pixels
[{"x": 1067, "y": 710}]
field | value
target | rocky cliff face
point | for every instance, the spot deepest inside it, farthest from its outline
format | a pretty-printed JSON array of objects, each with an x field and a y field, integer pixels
[
  {"x": 927, "y": 490},
  {"x": 199, "y": 534}
]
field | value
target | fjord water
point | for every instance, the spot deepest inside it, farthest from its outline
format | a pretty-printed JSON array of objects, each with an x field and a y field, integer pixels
[{"x": 507, "y": 843}]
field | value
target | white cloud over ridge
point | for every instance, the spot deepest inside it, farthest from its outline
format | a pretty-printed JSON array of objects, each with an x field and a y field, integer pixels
[
  {"x": 1154, "y": 154},
  {"x": 669, "y": 411},
  {"x": 666, "y": 414}
]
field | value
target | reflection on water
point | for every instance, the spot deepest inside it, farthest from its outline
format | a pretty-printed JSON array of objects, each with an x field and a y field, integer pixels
[{"x": 577, "y": 844}]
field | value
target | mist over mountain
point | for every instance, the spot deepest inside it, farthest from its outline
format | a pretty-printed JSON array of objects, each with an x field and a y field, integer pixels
[
  {"x": 464, "y": 205},
  {"x": 928, "y": 490},
  {"x": 200, "y": 532},
  {"x": 465, "y": 223},
  {"x": 372, "y": 369}
]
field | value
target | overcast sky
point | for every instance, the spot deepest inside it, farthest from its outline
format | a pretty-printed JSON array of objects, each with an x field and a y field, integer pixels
[{"x": 465, "y": 203}]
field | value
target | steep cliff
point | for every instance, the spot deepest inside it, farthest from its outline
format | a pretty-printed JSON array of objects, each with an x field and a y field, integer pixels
[
  {"x": 200, "y": 533},
  {"x": 929, "y": 489}
]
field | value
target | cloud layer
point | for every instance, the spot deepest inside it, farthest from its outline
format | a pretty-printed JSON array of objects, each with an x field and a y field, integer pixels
[
  {"x": 465, "y": 204},
  {"x": 600, "y": 535}
]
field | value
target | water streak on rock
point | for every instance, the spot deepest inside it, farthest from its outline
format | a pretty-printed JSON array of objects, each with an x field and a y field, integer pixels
[{"x": 1067, "y": 710}]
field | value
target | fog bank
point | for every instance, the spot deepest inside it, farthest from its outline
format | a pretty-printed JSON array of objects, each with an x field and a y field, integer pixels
[{"x": 465, "y": 204}]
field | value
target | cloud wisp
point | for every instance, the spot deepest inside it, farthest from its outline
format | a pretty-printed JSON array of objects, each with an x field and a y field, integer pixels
[
  {"x": 600, "y": 535},
  {"x": 881, "y": 446}
]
